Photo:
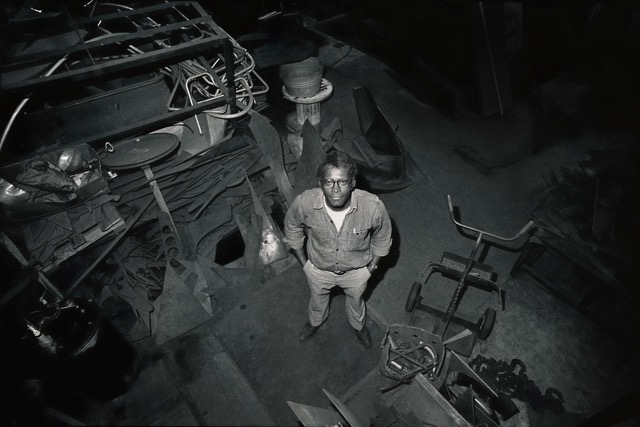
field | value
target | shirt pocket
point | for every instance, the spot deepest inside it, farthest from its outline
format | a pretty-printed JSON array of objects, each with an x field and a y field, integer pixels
[
  {"x": 358, "y": 238},
  {"x": 320, "y": 234}
]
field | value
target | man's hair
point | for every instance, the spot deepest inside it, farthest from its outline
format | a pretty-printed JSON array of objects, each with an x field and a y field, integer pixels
[{"x": 337, "y": 159}]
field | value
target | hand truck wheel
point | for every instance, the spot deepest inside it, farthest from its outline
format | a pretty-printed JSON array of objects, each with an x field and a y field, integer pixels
[
  {"x": 413, "y": 297},
  {"x": 485, "y": 324}
]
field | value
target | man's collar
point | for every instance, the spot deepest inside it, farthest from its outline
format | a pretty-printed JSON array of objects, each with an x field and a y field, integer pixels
[{"x": 318, "y": 204}]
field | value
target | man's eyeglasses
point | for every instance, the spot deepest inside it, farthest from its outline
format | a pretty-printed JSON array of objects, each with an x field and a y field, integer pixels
[{"x": 329, "y": 183}]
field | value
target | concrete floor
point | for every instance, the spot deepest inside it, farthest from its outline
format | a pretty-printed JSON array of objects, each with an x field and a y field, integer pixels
[{"x": 195, "y": 380}]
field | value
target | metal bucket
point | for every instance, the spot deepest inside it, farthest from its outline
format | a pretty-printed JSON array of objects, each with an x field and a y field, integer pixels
[
  {"x": 100, "y": 361},
  {"x": 302, "y": 79},
  {"x": 78, "y": 349}
]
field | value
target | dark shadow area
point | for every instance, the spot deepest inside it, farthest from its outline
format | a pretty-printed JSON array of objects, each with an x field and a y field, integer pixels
[
  {"x": 386, "y": 263},
  {"x": 230, "y": 248},
  {"x": 262, "y": 338}
]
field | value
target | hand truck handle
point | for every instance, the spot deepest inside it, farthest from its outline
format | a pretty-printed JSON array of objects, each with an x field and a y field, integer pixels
[{"x": 523, "y": 230}]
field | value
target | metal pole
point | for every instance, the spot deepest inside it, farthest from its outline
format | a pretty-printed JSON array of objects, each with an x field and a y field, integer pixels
[
  {"x": 455, "y": 300},
  {"x": 11, "y": 247},
  {"x": 493, "y": 67},
  {"x": 107, "y": 251}
]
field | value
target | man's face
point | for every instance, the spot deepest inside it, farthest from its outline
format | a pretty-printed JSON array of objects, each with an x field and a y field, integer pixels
[{"x": 337, "y": 197}]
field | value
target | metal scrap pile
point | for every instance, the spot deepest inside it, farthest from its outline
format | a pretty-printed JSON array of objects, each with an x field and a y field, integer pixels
[
  {"x": 100, "y": 81},
  {"x": 593, "y": 211},
  {"x": 208, "y": 198},
  {"x": 163, "y": 106}
]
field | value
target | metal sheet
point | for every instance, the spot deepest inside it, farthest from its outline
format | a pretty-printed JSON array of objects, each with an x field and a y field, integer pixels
[
  {"x": 313, "y": 416},
  {"x": 351, "y": 417}
]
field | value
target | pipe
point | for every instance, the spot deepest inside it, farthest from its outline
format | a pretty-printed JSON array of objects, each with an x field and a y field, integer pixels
[{"x": 5, "y": 132}]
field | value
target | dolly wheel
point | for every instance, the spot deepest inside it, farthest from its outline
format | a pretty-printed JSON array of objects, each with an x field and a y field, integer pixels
[
  {"x": 486, "y": 323},
  {"x": 413, "y": 296}
]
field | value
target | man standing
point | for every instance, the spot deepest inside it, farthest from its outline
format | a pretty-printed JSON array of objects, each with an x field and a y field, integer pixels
[{"x": 347, "y": 231}]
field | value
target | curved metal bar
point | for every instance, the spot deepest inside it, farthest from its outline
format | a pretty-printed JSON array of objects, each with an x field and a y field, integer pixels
[
  {"x": 188, "y": 85},
  {"x": 24, "y": 102},
  {"x": 264, "y": 84},
  {"x": 239, "y": 113},
  {"x": 523, "y": 230}
]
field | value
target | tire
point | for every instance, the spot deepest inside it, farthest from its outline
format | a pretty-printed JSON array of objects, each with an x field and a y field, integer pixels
[
  {"x": 413, "y": 297},
  {"x": 486, "y": 324}
]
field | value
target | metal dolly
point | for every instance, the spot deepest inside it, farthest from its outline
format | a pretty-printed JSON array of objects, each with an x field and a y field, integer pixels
[{"x": 466, "y": 271}]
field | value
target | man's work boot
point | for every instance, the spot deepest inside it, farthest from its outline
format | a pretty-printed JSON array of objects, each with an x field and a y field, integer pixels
[
  {"x": 364, "y": 337},
  {"x": 307, "y": 332}
]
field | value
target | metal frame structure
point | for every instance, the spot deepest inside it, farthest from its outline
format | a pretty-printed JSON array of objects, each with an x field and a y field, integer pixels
[{"x": 115, "y": 40}]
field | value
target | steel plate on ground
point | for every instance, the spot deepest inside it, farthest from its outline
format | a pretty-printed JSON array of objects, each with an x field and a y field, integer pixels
[{"x": 140, "y": 151}]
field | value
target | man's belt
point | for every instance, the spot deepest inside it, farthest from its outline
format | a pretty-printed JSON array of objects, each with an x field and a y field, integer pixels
[{"x": 338, "y": 272}]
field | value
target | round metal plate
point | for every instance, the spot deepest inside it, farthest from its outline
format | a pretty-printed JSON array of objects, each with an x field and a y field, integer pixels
[{"x": 140, "y": 151}]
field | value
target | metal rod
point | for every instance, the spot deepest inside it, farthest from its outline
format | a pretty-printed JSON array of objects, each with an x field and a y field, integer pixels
[
  {"x": 414, "y": 361},
  {"x": 493, "y": 67},
  {"x": 13, "y": 249},
  {"x": 506, "y": 239},
  {"x": 160, "y": 198},
  {"x": 455, "y": 300},
  {"x": 80, "y": 38},
  {"x": 107, "y": 251}
]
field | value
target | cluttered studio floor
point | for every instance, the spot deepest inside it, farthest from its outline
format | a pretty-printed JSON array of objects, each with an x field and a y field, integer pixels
[{"x": 160, "y": 291}]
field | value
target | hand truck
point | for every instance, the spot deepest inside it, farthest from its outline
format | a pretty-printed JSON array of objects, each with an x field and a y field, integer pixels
[{"x": 466, "y": 271}]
